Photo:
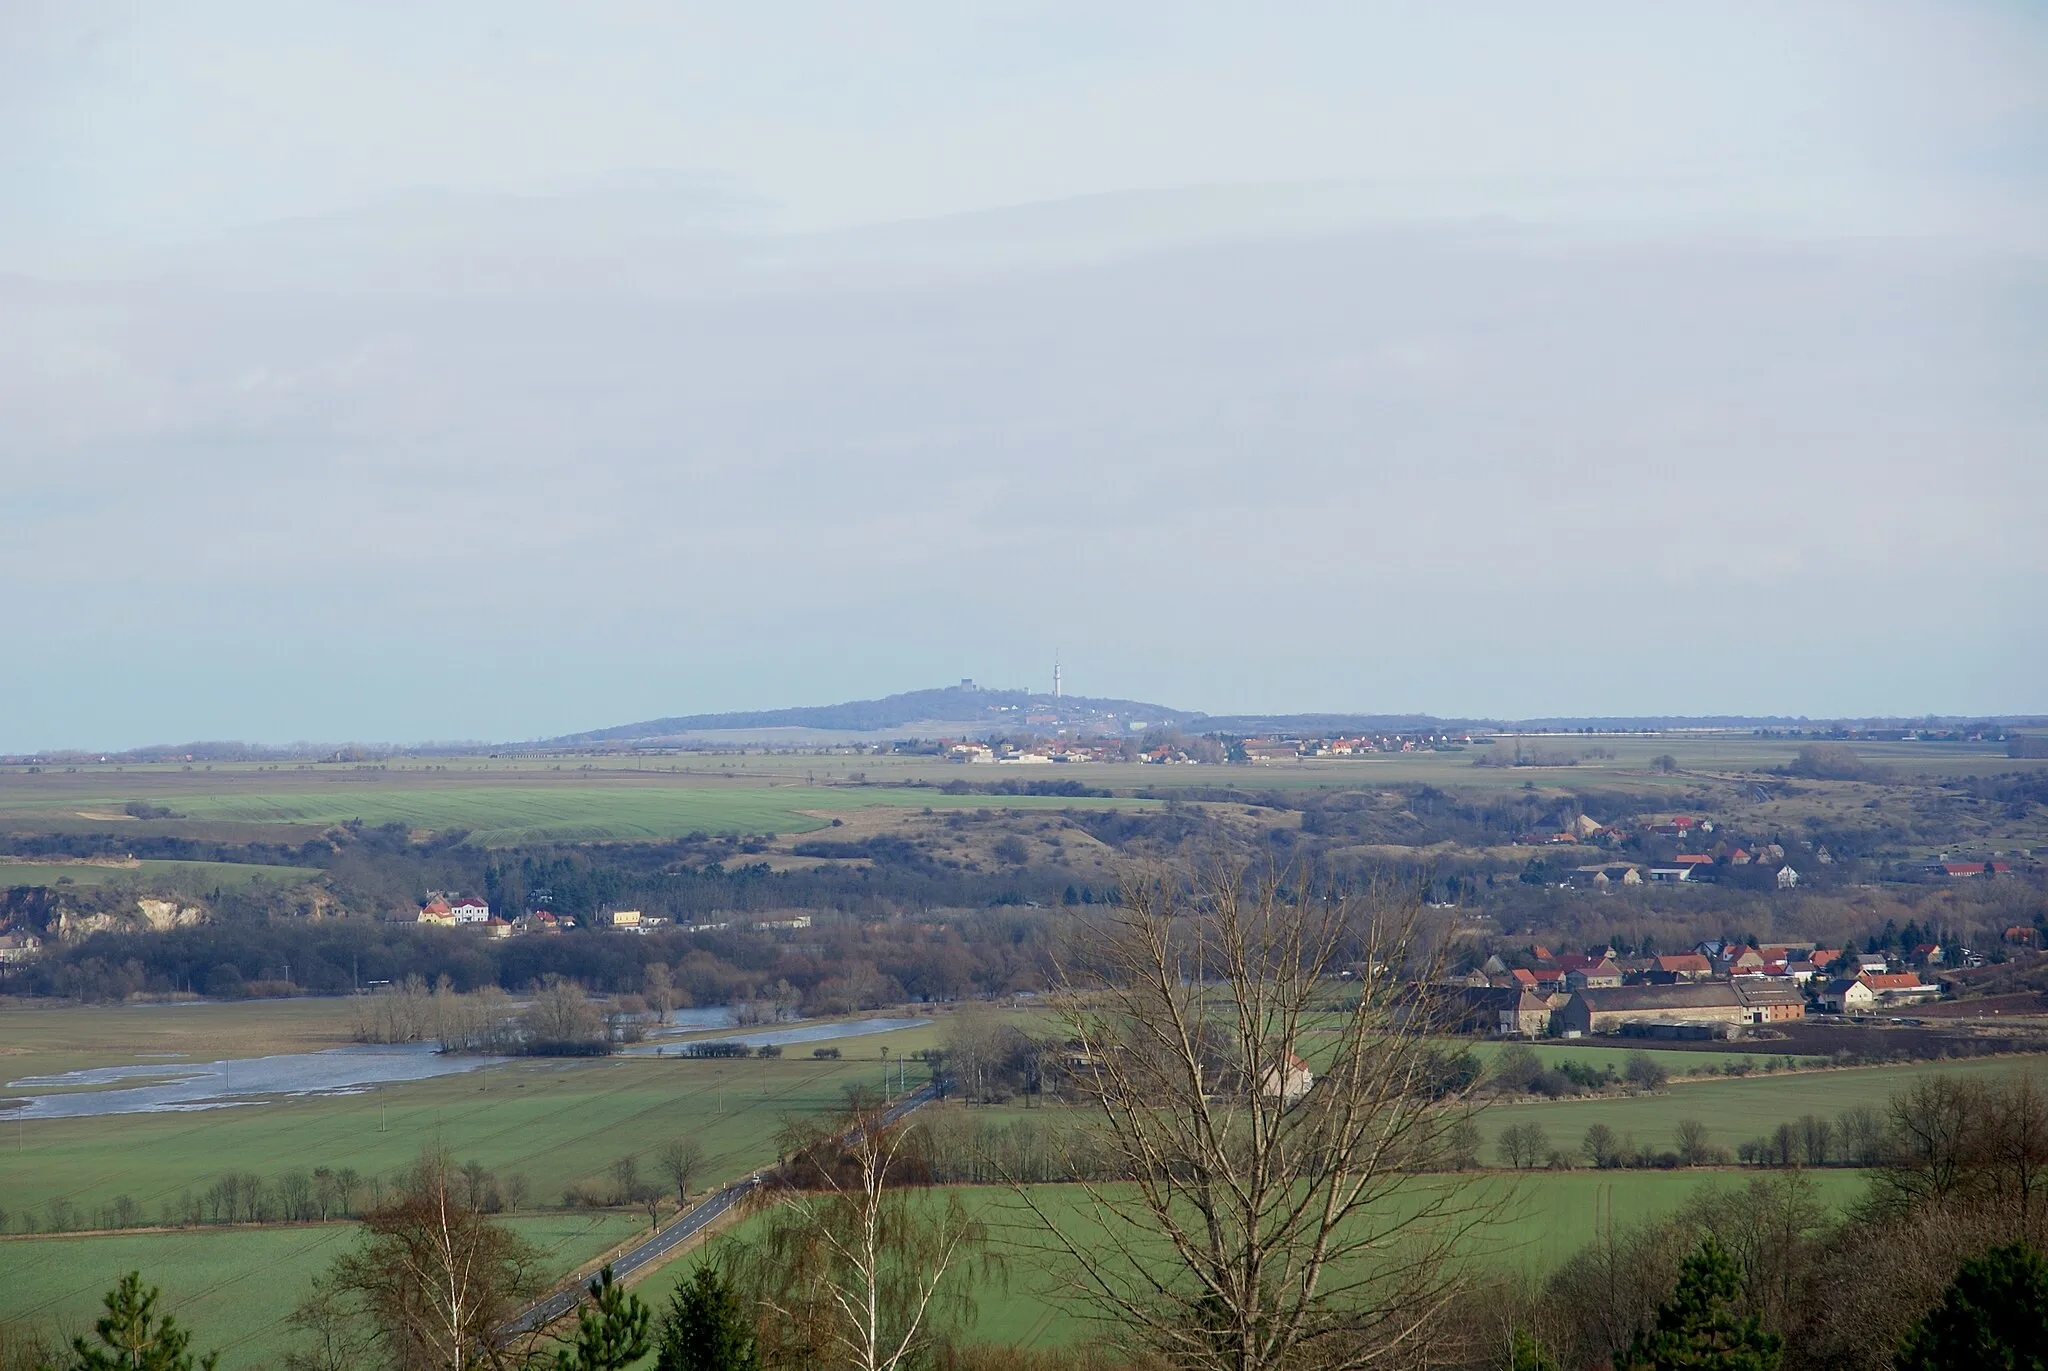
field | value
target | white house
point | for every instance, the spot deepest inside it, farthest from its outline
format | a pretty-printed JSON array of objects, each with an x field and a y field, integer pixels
[
  {"x": 1848, "y": 997},
  {"x": 1290, "y": 1081},
  {"x": 469, "y": 910}
]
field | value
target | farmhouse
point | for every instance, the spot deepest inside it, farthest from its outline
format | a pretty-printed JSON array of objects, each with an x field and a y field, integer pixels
[
  {"x": 1686, "y": 966},
  {"x": 1953, "y": 869},
  {"x": 1290, "y": 1080},
  {"x": 1511, "y": 1011},
  {"x": 1767, "y": 999},
  {"x": 436, "y": 911},
  {"x": 1845, "y": 996},
  {"x": 18, "y": 947},
  {"x": 628, "y": 919},
  {"x": 1608, "y": 1011},
  {"x": 1903, "y": 987}
]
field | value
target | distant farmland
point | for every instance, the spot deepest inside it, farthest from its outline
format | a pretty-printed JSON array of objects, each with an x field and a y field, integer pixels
[
  {"x": 592, "y": 807},
  {"x": 185, "y": 875}
]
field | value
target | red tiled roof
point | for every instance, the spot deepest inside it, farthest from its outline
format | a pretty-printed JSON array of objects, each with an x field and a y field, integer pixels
[{"x": 1890, "y": 980}]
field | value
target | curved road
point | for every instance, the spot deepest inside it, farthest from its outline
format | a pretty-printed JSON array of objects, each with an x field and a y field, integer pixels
[{"x": 680, "y": 1229}]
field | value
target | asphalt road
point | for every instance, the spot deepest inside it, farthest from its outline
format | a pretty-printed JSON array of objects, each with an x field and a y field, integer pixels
[{"x": 680, "y": 1229}]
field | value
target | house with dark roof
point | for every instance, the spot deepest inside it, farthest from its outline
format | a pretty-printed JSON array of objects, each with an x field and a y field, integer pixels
[
  {"x": 1509, "y": 1011},
  {"x": 1769, "y": 999},
  {"x": 1610, "y": 1011},
  {"x": 1686, "y": 966}
]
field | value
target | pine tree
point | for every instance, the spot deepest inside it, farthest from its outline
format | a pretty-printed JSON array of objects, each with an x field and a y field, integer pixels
[
  {"x": 131, "y": 1337},
  {"x": 1530, "y": 1355},
  {"x": 705, "y": 1328},
  {"x": 1994, "y": 1316},
  {"x": 1696, "y": 1331},
  {"x": 611, "y": 1332}
]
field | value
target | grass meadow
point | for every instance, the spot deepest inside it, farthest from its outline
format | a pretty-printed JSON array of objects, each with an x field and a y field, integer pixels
[
  {"x": 574, "y": 807},
  {"x": 1733, "y": 1109},
  {"x": 1545, "y": 1218},
  {"x": 557, "y": 1123},
  {"x": 148, "y": 872},
  {"x": 233, "y": 1287}
]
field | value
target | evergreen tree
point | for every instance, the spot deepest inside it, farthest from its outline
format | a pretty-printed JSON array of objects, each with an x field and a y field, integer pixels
[
  {"x": 1530, "y": 1355},
  {"x": 131, "y": 1337},
  {"x": 1994, "y": 1316},
  {"x": 705, "y": 1329},
  {"x": 611, "y": 1332},
  {"x": 1695, "y": 1329}
]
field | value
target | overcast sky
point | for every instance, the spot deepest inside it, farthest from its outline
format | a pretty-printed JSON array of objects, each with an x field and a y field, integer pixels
[{"x": 493, "y": 370}]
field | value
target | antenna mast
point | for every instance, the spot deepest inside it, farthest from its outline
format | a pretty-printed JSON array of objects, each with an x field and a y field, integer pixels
[{"x": 1056, "y": 675}]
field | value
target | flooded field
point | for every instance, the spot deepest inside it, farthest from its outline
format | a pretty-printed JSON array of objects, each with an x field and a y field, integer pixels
[{"x": 160, "y": 1087}]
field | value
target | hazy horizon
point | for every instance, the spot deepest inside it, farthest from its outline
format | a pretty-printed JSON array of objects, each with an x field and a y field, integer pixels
[{"x": 500, "y": 374}]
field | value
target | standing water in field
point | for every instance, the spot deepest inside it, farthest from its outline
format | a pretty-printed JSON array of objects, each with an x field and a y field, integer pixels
[{"x": 222, "y": 1084}]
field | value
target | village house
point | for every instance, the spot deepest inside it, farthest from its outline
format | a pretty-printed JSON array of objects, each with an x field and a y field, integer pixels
[
  {"x": 469, "y": 910},
  {"x": 1508, "y": 1010},
  {"x": 496, "y": 928},
  {"x": 435, "y": 911},
  {"x": 1845, "y": 996},
  {"x": 1896, "y": 988},
  {"x": 1604, "y": 976},
  {"x": 2019, "y": 935},
  {"x": 1740, "y": 961},
  {"x": 18, "y": 947},
  {"x": 1927, "y": 954},
  {"x": 1685, "y": 967},
  {"x": 1609, "y": 1011},
  {"x": 1787, "y": 878},
  {"x": 1291, "y": 1080},
  {"x": 1957, "y": 869},
  {"x": 627, "y": 919},
  {"x": 1769, "y": 1000}
]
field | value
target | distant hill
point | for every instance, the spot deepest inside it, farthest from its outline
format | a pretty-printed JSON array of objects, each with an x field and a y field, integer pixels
[
  {"x": 971, "y": 709},
  {"x": 962, "y": 706}
]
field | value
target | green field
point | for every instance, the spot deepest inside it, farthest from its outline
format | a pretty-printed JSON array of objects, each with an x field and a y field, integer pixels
[
  {"x": 557, "y": 1123},
  {"x": 577, "y": 808},
  {"x": 1676, "y": 1061},
  {"x": 181, "y": 875},
  {"x": 1735, "y": 1110},
  {"x": 1548, "y": 1216},
  {"x": 233, "y": 1287}
]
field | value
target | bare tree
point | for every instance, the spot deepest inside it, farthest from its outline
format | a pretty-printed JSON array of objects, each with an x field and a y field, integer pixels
[
  {"x": 433, "y": 1277},
  {"x": 658, "y": 988},
  {"x": 331, "y": 1336},
  {"x": 1270, "y": 1217},
  {"x": 860, "y": 1270},
  {"x": 680, "y": 1161}
]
